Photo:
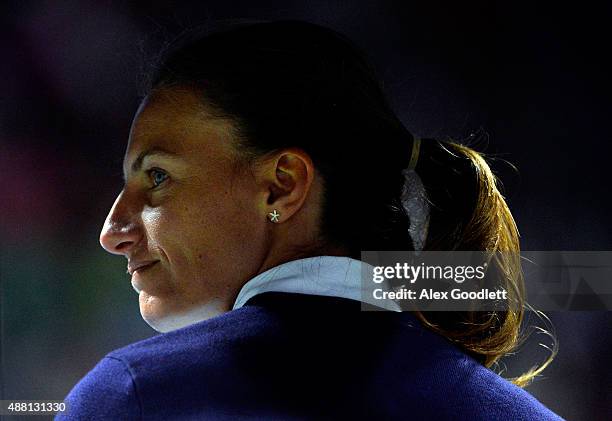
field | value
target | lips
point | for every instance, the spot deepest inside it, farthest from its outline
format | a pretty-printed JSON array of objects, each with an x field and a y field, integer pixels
[{"x": 133, "y": 267}]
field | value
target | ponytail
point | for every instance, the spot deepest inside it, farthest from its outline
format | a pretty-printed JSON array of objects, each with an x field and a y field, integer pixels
[{"x": 468, "y": 212}]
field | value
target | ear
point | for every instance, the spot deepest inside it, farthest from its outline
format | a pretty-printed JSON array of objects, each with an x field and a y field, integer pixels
[{"x": 285, "y": 179}]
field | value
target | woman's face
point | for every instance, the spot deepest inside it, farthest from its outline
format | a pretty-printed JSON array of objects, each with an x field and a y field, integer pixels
[{"x": 187, "y": 219}]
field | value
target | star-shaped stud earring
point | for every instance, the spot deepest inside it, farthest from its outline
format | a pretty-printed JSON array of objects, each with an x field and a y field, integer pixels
[{"x": 274, "y": 215}]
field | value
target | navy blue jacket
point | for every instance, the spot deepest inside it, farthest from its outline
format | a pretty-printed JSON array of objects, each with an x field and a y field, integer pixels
[{"x": 290, "y": 356}]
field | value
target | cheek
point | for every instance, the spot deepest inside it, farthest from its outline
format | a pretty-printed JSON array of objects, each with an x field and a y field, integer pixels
[
  {"x": 226, "y": 241},
  {"x": 213, "y": 239},
  {"x": 205, "y": 236},
  {"x": 169, "y": 230},
  {"x": 227, "y": 231},
  {"x": 152, "y": 219}
]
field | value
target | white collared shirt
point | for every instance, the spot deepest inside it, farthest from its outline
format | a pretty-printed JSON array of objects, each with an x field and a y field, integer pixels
[{"x": 331, "y": 276}]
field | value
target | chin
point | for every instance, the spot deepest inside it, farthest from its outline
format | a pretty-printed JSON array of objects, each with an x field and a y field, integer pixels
[{"x": 164, "y": 317}]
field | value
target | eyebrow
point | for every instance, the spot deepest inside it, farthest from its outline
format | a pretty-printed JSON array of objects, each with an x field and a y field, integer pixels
[{"x": 137, "y": 164}]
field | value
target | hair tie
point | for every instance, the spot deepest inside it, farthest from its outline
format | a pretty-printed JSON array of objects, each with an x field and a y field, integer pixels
[
  {"x": 414, "y": 156},
  {"x": 414, "y": 199}
]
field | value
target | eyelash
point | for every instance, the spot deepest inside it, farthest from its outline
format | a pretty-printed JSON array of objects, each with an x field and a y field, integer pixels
[{"x": 151, "y": 172}]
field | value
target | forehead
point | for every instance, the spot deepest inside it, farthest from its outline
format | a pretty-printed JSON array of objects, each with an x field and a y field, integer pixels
[{"x": 177, "y": 120}]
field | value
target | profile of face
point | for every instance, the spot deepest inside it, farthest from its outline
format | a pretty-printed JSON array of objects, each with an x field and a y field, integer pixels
[{"x": 192, "y": 221}]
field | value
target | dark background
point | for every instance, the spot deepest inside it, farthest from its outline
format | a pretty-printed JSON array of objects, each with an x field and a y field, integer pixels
[{"x": 533, "y": 77}]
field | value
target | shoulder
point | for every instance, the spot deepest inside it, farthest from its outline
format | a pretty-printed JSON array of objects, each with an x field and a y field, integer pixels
[
  {"x": 428, "y": 377},
  {"x": 264, "y": 358},
  {"x": 163, "y": 377},
  {"x": 114, "y": 387},
  {"x": 478, "y": 393},
  {"x": 106, "y": 392}
]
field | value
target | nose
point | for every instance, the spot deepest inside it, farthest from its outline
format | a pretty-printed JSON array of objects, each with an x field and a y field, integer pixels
[{"x": 121, "y": 232}]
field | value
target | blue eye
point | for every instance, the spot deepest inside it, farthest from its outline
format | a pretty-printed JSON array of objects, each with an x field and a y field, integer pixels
[{"x": 157, "y": 176}]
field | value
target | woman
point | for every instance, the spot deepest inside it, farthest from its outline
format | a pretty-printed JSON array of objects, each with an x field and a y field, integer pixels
[{"x": 261, "y": 162}]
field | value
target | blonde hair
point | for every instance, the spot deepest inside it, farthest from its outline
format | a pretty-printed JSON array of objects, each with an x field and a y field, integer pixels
[{"x": 490, "y": 335}]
